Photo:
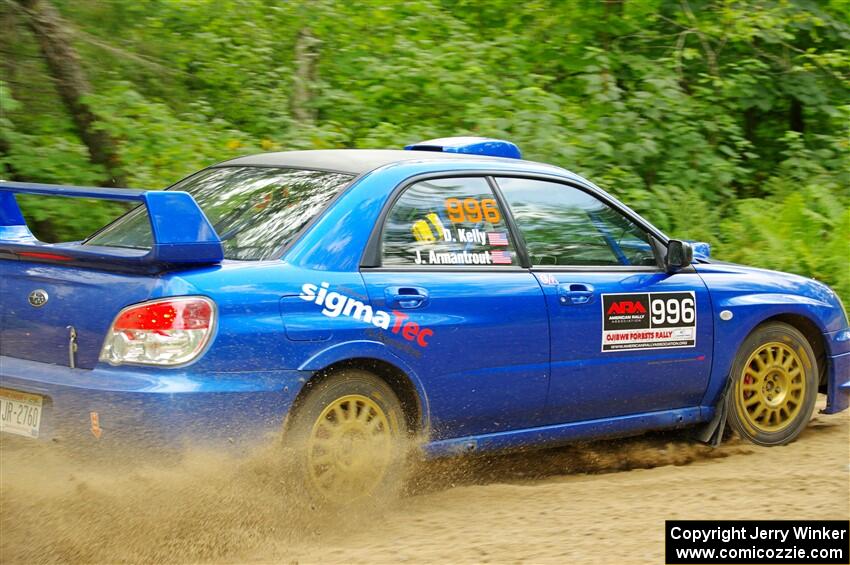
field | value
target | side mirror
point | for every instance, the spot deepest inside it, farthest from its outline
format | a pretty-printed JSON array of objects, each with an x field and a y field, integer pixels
[
  {"x": 702, "y": 250},
  {"x": 680, "y": 254}
]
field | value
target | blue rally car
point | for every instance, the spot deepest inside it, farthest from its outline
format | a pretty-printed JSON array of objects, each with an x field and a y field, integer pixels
[{"x": 350, "y": 299}]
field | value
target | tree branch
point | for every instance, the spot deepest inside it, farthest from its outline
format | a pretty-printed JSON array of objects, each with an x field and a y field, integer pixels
[{"x": 65, "y": 67}]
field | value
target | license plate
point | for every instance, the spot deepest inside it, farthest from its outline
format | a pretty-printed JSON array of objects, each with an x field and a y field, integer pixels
[{"x": 20, "y": 412}]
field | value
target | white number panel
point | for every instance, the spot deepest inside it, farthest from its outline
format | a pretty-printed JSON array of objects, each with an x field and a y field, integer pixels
[{"x": 649, "y": 320}]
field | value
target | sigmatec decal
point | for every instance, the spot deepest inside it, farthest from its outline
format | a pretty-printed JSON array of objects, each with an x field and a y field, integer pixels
[
  {"x": 335, "y": 304},
  {"x": 656, "y": 320}
]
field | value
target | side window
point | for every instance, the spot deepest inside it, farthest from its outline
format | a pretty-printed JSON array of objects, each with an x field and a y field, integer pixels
[
  {"x": 563, "y": 225},
  {"x": 453, "y": 221}
]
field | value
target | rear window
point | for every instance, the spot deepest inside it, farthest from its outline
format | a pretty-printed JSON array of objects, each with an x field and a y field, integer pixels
[{"x": 254, "y": 210}]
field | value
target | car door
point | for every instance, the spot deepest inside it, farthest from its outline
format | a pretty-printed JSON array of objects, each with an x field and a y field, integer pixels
[
  {"x": 626, "y": 336},
  {"x": 449, "y": 266}
]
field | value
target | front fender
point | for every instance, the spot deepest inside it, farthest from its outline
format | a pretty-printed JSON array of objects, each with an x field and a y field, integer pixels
[
  {"x": 748, "y": 311},
  {"x": 368, "y": 349}
]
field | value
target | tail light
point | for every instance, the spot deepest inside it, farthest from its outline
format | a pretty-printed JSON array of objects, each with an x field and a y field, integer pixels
[{"x": 164, "y": 332}]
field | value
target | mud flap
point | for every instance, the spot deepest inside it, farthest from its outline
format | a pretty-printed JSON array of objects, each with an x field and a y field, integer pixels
[{"x": 712, "y": 432}]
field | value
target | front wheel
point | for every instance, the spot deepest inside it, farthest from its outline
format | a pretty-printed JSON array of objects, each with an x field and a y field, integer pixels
[
  {"x": 773, "y": 385},
  {"x": 349, "y": 437}
]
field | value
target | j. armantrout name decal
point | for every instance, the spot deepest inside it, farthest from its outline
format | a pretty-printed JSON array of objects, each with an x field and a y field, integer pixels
[
  {"x": 335, "y": 304},
  {"x": 463, "y": 258}
]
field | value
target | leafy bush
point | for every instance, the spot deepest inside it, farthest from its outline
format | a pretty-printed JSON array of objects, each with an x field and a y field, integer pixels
[{"x": 720, "y": 121}]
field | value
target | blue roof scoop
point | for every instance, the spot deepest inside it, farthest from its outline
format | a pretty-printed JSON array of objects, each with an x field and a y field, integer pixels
[{"x": 469, "y": 145}]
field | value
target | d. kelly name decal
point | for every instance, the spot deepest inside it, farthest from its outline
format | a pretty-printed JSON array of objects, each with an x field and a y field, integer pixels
[{"x": 335, "y": 304}]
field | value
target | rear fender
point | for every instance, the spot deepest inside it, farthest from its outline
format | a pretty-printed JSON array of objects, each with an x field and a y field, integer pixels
[{"x": 366, "y": 349}]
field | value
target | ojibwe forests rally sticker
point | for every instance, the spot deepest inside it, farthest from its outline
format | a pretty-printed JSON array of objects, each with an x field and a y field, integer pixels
[{"x": 649, "y": 320}]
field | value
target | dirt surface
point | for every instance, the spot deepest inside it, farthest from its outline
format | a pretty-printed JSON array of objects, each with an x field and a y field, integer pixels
[{"x": 597, "y": 503}]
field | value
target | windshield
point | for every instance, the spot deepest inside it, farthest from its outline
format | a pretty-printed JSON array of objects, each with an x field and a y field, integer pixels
[{"x": 254, "y": 210}]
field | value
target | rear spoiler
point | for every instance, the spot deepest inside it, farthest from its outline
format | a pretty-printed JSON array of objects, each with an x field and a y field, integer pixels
[{"x": 182, "y": 234}]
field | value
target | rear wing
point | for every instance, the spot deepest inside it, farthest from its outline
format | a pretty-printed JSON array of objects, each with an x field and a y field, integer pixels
[{"x": 182, "y": 234}]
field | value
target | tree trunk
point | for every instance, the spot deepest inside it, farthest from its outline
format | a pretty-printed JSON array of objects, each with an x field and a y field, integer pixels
[
  {"x": 613, "y": 8},
  {"x": 751, "y": 120},
  {"x": 8, "y": 24},
  {"x": 795, "y": 116},
  {"x": 306, "y": 53},
  {"x": 63, "y": 63}
]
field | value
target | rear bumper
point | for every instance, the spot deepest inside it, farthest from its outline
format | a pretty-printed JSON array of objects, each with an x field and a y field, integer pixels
[
  {"x": 838, "y": 384},
  {"x": 155, "y": 407}
]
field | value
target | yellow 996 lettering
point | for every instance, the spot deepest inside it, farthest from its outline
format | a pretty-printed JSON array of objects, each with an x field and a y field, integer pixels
[{"x": 472, "y": 210}]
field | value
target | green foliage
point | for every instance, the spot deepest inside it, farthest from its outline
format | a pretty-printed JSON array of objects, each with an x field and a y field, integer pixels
[
  {"x": 720, "y": 120},
  {"x": 804, "y": 225}
]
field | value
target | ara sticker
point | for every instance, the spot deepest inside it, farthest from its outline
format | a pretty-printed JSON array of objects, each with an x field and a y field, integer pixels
[{"x": 656, "y": 320}]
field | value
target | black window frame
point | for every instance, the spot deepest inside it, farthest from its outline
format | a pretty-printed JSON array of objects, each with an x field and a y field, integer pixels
[
  {"x": 657, "y": 240},
  {"x": 372, "y": 256}
]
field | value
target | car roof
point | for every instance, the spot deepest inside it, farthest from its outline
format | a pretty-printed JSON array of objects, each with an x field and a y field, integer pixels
[{"x": 355, "y": 161}]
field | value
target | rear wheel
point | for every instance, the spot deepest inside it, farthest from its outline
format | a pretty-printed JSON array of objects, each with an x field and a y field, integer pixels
[
  {"x": 349, "y": 436},
  {"x": 774, "y": 385}
]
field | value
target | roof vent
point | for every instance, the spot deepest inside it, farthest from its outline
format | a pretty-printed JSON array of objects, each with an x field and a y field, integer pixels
[{"x": 469, "y": 145}]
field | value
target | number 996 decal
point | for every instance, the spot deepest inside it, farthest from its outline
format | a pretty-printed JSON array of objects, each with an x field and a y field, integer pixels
[{"x": 656, "y": 320}]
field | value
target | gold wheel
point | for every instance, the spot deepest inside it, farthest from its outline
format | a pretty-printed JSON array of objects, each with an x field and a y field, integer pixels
[
  {"x": 772, "y": 388},
  {"x": 350, "y": 447}
]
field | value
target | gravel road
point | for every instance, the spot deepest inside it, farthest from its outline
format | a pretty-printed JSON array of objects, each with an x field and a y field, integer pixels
[{"x": 604, "y": 502}]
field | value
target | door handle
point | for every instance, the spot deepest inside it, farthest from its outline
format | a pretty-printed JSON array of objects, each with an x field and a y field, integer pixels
[
  {"x": 406, "y": 296},
  {"x": 575, "y": 293}
]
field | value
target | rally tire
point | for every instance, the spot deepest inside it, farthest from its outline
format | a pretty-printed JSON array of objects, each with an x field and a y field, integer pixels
[
  {"x": 348, "y": 438},
  {"x": 773, "y": 385}
]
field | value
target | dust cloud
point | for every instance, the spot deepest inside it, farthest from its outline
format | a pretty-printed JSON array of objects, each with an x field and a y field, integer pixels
[
  {"x": 593, "y": 503},
  {"x": 60, "y": 505}
]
